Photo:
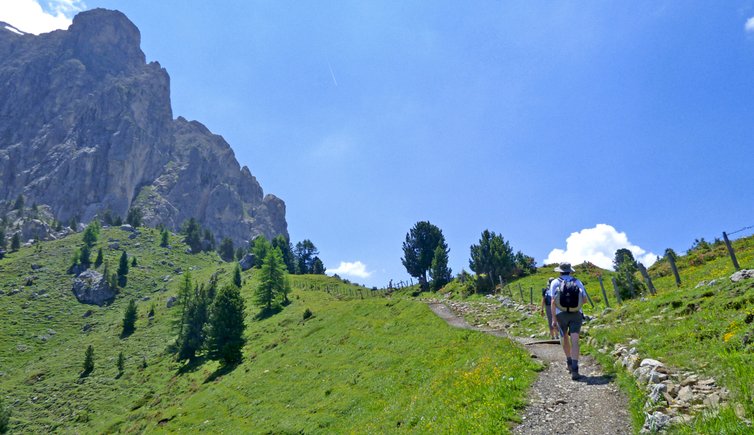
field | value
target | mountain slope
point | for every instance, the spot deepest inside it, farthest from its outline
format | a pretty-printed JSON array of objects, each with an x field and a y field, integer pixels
[
  {"x": 366, "y": 365},
  {"x": 86, "y": 126}
]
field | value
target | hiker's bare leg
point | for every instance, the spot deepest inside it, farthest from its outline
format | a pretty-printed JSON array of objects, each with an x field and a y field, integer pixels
[{"x": 574, "y": 354}]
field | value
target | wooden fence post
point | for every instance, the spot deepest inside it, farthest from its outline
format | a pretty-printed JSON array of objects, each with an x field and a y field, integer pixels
[
  {"x": 531, "y": 295},
  {"x": 521, "y": 292},
  {"x": 731, "y": 252},
  {"x": 617, "y": 293},
  {"x": 645, "y": 274},
  {"x": 671, "y": 260},
  {"x": 604, "y": 295}
]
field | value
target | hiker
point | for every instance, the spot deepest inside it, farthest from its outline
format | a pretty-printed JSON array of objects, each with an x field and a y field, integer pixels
[
  {"x": 545, "y": 309},
  {"x": 568, "y": 295}
]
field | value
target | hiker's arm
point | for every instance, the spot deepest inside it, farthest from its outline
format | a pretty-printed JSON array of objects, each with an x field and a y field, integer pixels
[{"x": 554, "y": 316}]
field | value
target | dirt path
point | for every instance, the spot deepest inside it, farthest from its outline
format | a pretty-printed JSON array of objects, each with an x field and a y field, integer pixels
[{"x": 558, "y": 405}]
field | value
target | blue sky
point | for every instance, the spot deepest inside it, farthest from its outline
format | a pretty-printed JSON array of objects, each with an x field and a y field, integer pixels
[{"x": 571, "y": 128}]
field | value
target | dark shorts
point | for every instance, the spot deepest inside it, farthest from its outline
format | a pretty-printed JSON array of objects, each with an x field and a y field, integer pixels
[{"x": 570, "y": 322}]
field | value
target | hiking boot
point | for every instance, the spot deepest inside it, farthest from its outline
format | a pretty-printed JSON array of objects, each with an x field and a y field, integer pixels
[
  {"x": 568, "y": 366},
  {"x": 575, "y": 375}
]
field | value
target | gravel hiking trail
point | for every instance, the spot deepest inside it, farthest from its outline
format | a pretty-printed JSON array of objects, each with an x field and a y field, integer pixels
[{"x": 558, "y": 405}]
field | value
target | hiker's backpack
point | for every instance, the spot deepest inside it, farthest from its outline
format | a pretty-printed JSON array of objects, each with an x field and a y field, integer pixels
[
  {"x": 568, "y": 296},
  {"x": 546, "y": 296}
]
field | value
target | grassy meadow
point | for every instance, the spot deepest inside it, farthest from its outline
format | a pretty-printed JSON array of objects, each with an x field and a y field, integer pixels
[
  {"x": 705, "y": 325},
  {"x": 358, "y": 364}
]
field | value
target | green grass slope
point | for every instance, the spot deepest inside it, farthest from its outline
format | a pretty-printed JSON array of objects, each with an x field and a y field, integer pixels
[
  {"x": 359, "y": 364},
  {"x": 706, "y": 325}
]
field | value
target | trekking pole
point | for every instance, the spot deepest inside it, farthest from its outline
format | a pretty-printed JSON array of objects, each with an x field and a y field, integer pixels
[{"x": 588, "y": 297}]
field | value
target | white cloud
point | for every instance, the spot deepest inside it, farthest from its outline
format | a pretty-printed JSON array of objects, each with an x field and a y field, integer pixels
[
  {"x": 357, "y": 269},
  {"x": 598, "y": 245},
  {"x": 37, "y": 17},
  {"x": 749, "y": 26}
]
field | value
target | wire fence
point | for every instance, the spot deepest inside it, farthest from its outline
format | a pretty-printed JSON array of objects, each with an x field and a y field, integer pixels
[{"x": 340, "y": 290}]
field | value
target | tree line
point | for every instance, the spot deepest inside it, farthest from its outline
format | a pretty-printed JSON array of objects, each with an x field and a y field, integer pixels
[{"x": 425, "y": 257}]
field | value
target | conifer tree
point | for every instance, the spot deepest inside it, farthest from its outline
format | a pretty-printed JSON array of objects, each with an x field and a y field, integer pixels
[
  {"x": 133, "y": 262},
  {"x": 271, "y": 279},
  {"x": 100, "y": 258},
  {"x": 164, "y": 238},
  {"x": 440, "y": 272},
  {"x": 134, "y": 217},
  {"x": 226, "y": 250},
  {"x": 129, "y": 319},
  {"x": 259, "y": 248},
  {"x": 185, "y": 293},
  {"x": 2, "y": 239},
  {"x": 237, "y": 281},
  {"x": 85, "y": 255},
  {"x": 419, "y": 249},
  {"x": 286, "y": 249},
  {"x": 318, "y": 268},
  {"x": 192, "y": 337},
  {"x": 192, "y": 233},
  {"x": 304, "y": 254},
  {"x": 88, "y": 361},
  {"x": 226, "y": 325},
  {"x": 91, "y": 233},
  {"x": 123, "y": 265},
  {"x": 121, "y": 363},
  {"x": 15, "y": 242}
]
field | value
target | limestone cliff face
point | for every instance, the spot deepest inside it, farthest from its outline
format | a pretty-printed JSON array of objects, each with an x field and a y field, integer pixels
[{"x": 86, "y": 125}]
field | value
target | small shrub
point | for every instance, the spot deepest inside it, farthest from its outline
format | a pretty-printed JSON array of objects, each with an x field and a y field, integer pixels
[
  {"x": 88, "y": 361},
  {"x": 307, "y": 314}
]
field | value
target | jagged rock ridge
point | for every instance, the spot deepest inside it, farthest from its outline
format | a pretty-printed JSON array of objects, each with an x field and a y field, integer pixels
[{"x": 86, "y": 125}]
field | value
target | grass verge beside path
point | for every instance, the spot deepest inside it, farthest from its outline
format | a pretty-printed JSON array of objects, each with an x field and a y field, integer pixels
[{"x": 363, "y": 366}]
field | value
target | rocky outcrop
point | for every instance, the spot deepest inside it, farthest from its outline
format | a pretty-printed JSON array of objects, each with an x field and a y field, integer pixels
[
  {"x": 86, "y": 126},
  {"x": 90, "y": 287}
]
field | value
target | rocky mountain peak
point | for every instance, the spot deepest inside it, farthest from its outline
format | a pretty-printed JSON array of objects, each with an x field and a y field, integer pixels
[
  {"x": 106, "y": 41},
  {"x": 86, "y": 127}
]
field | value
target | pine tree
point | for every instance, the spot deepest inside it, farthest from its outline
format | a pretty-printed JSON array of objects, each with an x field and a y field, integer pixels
[
  {"x": 129, "y": 319},
  {"x": 440, "y": 272},
  {"x": 318, "y": 268},
  {"x": 91, "y": 233},
  {"x": 123, "y": 265},
  {"x": 193, "y": 334},
  {"x": 210, "y": 239},
  {"x": 419, "y": 249},
  {"x": 88, "y": 361},
  {"x": 164, "y": 238},
  {"x": 121, "y": 363},
  {"x": 185, "y": 293},
  {"x": 226, "y": 325},
  {"x": 226, "y": 249},
  {"x": 304, "y": 254},
  {"x": 286, "y": 249},
  {"x": 192, "y": 233},
  {"x": 100, "y": 258},
  {"x": 133, "y": 262},
  {"x": 134, "y": 217},
  {"x": 259, "y": 248},
  {"x": 271, "y": 279},
  {"x": 237, "y": 281},
  {"x": 15, "y": 242},
  {"x": 85, "y": 255},
  {"x": 2, "y": 239}
]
